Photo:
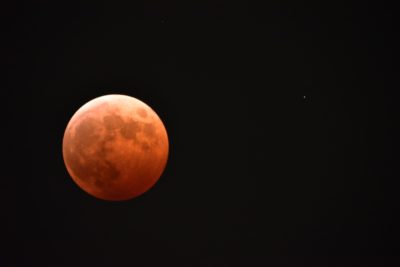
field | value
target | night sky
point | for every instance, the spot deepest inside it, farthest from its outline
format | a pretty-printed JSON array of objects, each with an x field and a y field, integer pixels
[{"x": 281, "y": 125}]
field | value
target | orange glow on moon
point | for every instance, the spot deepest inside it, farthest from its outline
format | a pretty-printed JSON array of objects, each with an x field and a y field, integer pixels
[{"x": 115, "y": 147}]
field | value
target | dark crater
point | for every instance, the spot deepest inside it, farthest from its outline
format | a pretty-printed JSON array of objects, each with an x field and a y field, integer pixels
[
  {"x": 130, "y": 129},
  {"x": 113, "y": 122}
]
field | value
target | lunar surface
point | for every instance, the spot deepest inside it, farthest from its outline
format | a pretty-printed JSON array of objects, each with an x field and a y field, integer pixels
[{"x": 115, "y": 147}]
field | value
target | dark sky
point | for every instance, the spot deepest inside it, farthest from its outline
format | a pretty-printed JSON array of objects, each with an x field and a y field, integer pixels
[{"x": 281, "y": 124}]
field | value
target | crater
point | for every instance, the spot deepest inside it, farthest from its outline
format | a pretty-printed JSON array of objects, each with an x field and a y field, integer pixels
[
  {"x": 149, "y": 129},
  {"x": 112, "y": 122},
  {"x": 142, "y": 112},
  {"x": 145, "y": 146},
  {"x": 130, "y": 129}
]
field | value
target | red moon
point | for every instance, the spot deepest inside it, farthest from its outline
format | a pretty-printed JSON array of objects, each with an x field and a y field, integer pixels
[{"x": 115, "y": 147}]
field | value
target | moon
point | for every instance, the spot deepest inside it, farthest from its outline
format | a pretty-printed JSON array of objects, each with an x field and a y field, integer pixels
[{"x": 115, "y": 147}]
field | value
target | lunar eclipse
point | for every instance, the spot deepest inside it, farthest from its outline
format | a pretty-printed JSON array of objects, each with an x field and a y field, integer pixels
[{"x": 115, "y": 147}]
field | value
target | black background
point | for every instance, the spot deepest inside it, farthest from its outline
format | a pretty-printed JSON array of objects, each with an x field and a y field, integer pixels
[{"x": 281, "y": 124}]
